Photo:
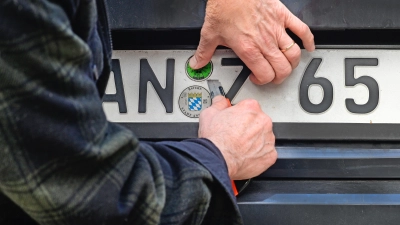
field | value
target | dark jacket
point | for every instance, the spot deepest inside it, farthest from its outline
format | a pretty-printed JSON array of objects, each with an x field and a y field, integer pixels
[{"x": 61, "y": 161}]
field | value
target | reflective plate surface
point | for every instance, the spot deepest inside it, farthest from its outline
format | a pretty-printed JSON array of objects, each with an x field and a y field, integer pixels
[{"x": 358, "y": 86}]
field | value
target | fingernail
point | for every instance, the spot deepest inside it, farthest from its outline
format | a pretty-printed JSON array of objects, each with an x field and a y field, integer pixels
[{"x": 193, "y": 62}]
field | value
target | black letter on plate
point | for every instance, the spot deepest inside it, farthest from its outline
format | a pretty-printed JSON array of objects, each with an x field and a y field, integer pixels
[
  {"x": 371, "y": 84},
  {"x": 241, "y": 78},
  {"x": 310, "y": 79},
  {"x": 119, "y": 96},
  {"x": 166, "y": 94}
]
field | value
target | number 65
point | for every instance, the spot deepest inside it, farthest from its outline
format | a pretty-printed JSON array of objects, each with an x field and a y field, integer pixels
[{"x": 310, "y": 79}]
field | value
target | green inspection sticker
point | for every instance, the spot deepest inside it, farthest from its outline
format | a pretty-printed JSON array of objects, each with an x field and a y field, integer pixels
[{"x": 199, "y": 74}]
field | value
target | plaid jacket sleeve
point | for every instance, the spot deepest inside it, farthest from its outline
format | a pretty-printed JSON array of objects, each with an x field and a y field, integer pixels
[{"x": 61, "y": 162}]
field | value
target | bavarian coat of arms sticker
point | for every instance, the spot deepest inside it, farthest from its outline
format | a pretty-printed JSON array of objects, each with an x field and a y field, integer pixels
[{"x": 193, "y": 100}]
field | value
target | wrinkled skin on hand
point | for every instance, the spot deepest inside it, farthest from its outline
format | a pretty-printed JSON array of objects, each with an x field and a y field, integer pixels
[
  {"x": 243, "y": 134},
  {"x": 255, "y": 31}
]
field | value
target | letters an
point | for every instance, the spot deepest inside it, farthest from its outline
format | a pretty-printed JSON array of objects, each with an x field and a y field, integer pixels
[{"x": 165, "y": 94}]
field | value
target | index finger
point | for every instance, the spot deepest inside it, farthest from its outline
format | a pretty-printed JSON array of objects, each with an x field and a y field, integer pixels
[{"x": 301, "y": 30}]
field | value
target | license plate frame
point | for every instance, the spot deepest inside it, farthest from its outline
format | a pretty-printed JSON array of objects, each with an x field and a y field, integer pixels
[{"x": 283, "y": 130}]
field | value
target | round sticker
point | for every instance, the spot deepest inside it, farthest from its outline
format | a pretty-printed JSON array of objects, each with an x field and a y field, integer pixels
[
  {"x": 193, "y": 100},
  {"x": 199, "y": 74}
]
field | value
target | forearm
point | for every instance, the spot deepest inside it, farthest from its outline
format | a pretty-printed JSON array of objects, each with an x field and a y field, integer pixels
[{"x": 61, "y": 161}]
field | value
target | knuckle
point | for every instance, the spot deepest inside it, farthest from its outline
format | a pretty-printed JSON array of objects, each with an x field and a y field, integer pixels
[
  {"x": 278, "y": 81},
  {"x": 287, "y": 70},
  {"x": 283, "y": 12},
  {"x": 268, "y": 122},
  {"x": 249, "y": 51},
  {"x": 274, "y": 157},
  {"x": 205, "y": 38},
  {"x": 271, "y": 42},
  {"x": 252, "y": 104},
  {"x": 267, "y": 77},
  {"x": 272, "y": 138},
  {"x": 282, "y": 72},
  {"x": 205, "y": 33}
]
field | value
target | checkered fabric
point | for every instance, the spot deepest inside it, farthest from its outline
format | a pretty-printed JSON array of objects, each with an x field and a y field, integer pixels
[
  {"x": 195, "y": 104},
  {"x": 61, "y": 161}
]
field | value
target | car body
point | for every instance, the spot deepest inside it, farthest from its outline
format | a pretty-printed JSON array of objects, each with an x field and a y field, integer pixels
[{"x": 326, "y": 172}]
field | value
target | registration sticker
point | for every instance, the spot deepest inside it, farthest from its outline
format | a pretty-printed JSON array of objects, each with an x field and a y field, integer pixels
[
  {"x": 346, "y": 94},
  {"x": 199, "y": 74}
]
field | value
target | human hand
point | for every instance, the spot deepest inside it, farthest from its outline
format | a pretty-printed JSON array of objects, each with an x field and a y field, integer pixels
[
  {"x": 255, "y": 31},
  {"x": 243, "y": 134}
]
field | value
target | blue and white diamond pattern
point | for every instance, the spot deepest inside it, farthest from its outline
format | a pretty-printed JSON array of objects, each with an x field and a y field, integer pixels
[{"x": 194, "y": 103}]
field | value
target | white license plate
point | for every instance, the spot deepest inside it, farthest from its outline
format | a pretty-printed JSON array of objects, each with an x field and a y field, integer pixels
[{"x": 328, "y": 86}]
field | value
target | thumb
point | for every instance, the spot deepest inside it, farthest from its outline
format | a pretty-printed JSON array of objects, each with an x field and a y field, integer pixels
[
  {"x": 204, "y": 52},
  {"x": 220, "y": 103}
]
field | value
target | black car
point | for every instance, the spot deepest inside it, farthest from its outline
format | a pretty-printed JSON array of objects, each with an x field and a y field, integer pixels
[{"x": 337, "y": 132}]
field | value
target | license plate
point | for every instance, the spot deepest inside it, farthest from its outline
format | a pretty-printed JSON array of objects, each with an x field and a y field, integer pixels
[{"x": 332, "y": 94}]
